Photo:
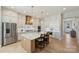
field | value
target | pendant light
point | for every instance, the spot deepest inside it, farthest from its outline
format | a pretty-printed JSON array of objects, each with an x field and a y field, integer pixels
[
  {"x": 32, "y": 13},
  {"x": 41, "y": 17}
]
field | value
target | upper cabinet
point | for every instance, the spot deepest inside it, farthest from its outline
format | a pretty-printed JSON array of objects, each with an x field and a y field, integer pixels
[
  {"x": 9, "y": 16},
  {"x": 29, "y": 20}
]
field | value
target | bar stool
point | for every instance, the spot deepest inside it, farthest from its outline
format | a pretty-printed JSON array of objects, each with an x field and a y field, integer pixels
[
  {"x": 46, "y": 39},
  {"x": 40, "y": 42}
]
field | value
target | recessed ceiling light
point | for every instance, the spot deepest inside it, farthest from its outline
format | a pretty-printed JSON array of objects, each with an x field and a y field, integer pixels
[
  {"x": 47, "y": 13},
  {"x": 64, "y": 8},
  {"x": 37, "y": 16},
  {"x": 12, "y": 7},
  {"x": 24, "y": 12}
]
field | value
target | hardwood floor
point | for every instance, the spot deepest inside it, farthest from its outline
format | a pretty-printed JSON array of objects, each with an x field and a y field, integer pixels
[
  {"x": 67, "y": 45},
  {"x": 13, "y": 48}
]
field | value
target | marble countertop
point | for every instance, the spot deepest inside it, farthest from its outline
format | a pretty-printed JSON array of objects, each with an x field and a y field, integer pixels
[{"x": 31, "y": 36}]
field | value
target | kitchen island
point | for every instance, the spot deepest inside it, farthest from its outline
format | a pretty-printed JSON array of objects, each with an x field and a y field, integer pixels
[{"x": 28, "y": 41}]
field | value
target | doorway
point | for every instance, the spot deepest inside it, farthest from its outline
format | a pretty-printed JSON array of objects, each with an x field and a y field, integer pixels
[
  {"x": 70, "y": 33},
  {"x": 67, "y": 26}
]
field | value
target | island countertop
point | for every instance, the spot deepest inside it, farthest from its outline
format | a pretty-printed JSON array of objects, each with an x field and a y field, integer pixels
[{"x": 31, "y": 36}]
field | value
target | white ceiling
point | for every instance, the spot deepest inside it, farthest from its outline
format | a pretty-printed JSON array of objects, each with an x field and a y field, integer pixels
[{"x": 42, "y": 11}]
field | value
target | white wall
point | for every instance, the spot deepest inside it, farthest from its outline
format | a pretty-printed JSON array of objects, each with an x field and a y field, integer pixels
[
  {"x": 53, "y": 22},
  {"x": 77, "y": 28},
  {"x": 0, "y": 13},
  {"x": 35, "y": 23},
  {"x": 0, "y": 25},
  {"x": 9, "y": 16},
  {"x": 20, "y": 21},
  {"x": 71, "y": 14}
]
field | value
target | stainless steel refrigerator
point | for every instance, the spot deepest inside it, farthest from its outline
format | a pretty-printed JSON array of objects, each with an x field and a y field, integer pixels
[{"x": 9, "y": 33}]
